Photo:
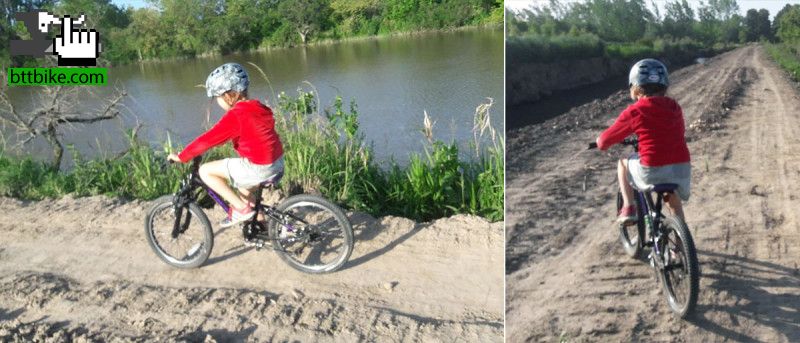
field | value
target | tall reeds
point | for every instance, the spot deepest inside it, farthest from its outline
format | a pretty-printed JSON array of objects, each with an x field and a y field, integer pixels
[{"x": 325, "y": 153}]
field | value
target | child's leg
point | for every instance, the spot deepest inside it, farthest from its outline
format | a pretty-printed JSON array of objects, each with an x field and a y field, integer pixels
[
  {"x": 675, "y": 204},
  {"x": 624, "y": 185},
  {"x": 248, "y": 196},
  {"x": 215, "y": 175},
  {"x": 245, "y": 195}
]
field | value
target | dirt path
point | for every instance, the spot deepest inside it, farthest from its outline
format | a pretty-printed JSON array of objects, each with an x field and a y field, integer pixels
[
  {"x": 81, "y": 268},
  {"x": 567, "y": 276}
]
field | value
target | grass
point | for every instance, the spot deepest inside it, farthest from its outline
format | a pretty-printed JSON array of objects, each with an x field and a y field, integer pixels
[
  {"x": 786, "y": 55},
  {"x": 324, "y": 152}
]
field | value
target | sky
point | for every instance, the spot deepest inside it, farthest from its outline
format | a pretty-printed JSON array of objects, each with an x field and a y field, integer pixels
[
  {"x": 132, "y": 3},
  {"x": 773, "y": 6}
]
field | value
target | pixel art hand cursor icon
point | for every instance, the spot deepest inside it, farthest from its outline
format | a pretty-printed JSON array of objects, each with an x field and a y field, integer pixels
[{"x": 75, "y": 46}]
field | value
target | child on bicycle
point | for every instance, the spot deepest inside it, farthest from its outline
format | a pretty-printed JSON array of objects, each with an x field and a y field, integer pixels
[
  {"x": 251, "y": 126},
  {"x": 658, "y": 122}
]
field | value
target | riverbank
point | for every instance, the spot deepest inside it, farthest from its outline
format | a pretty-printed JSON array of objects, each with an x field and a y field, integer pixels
[
  {"x": 324, "y": 42},
  {"x": 325, "y": 153}
]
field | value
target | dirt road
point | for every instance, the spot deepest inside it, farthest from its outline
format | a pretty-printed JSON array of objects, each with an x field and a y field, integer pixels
[
  {"x": 567, "y": 275},
  {"x": 75, "y": 268}
]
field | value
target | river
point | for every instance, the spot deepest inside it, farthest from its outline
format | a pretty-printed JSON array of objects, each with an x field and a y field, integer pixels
[{"x": 392, "y": 79}]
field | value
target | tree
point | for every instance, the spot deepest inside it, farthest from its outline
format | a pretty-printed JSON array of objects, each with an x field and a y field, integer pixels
[
  {"x": 678, "y": 19},
  {"x": 789, "y": 24},
  {"x": 757, "y": 25},
  {"x": 723, "y": 10},
  {"x": 10, "y": 29},
  {"x": 617, "y": 20},
  {"x": 57, "y": 108},
  {"x": 305, "y": 16}
]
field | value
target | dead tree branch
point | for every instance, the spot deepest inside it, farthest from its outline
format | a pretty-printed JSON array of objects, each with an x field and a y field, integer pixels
[{"x": 54, "y": 109}]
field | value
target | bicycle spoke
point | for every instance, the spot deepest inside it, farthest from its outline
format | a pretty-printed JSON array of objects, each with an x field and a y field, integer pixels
[{"x": 318, "y": 241}]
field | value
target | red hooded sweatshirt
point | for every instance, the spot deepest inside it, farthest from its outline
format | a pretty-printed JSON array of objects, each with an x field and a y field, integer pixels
[
  {"x": 251, "y": 127},
  {"x": 658, "y": 122}
]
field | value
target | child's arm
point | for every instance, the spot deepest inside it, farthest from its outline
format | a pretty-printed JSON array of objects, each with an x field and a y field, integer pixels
[
  {"x": 225, "y": 129},
  {"x": 621, "y": 128}
]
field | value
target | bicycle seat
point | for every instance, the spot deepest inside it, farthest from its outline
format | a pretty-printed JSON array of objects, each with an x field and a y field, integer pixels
[
  {"x": 273, "y": 181},
  {"x": 664, "y": 187}
]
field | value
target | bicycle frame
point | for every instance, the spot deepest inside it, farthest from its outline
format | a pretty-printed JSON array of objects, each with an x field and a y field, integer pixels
[
  {"x": 652, "y": 210},
  {"x": 186, "y": 194}
]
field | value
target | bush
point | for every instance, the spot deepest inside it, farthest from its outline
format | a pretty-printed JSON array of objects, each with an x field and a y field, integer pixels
[{"x": 535, "y": 48}]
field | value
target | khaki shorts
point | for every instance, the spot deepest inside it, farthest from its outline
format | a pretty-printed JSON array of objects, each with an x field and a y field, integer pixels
[
  {"x": 644, "y": 177},
  {"x": 244, "y": 174}
]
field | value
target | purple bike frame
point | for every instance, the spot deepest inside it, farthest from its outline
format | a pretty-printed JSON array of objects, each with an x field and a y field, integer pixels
[{"x": 216, "y": 198}]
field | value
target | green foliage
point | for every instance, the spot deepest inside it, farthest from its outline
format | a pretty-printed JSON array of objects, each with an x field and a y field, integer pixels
[
  {"x": 757, "y": 26},
  {"x": 630, "y": 21},
  {"x": 178, "y": 28},
  {"x": 543, "y": 48},
  {"x": 787, "y": 55},
  {"x": 683, "y": 48},
  {"x": 323, "y": 153},
  {"x": 788, "y": 24},
  {"x": 627, "y": 29}
]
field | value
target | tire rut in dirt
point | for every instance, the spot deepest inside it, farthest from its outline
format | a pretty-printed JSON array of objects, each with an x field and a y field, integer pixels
[{"x": 136, "y": 312}]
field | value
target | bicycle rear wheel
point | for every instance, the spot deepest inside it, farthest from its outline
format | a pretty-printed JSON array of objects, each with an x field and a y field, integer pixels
[
  {"x": 191, "y": 246},
  {"x": 631, "y": 236},
  {"x": 681, "y": 274},
  {"x": 317, "y": 237}
]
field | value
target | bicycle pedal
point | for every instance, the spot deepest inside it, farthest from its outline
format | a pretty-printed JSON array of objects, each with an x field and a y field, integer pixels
[
  {"x": 258, "y": 244},
  {"x": 254, "y": 244}
]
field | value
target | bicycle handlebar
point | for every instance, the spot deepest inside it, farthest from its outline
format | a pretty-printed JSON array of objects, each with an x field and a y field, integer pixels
[{"x": 632, "y": 141}]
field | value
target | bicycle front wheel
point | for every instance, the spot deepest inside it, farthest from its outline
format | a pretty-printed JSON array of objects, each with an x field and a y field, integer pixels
[
  {"x": 316, "y": 237},
  {"x": 681, "y": 274},
  {"x": 187, "y": 247}
]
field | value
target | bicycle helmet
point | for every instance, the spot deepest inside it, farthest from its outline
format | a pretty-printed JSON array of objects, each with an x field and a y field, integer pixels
[
  {"x": 648, "y": 71},
  {"x": 227, "y": 77}
]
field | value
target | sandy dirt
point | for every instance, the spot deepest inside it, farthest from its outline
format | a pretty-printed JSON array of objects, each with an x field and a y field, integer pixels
[
  {"x": 567, "y": 275},
  {"x": 81, "y": 270}
]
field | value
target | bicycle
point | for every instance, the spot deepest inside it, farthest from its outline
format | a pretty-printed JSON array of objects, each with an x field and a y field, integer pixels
[
  {"x": 673, "y": 255},
  {"x": 298, "y": 229}
]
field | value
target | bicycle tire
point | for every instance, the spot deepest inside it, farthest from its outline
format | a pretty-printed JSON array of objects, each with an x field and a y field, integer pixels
[
  {"x": 632, "y": 246},
  {"x": 690, "y": 270},
  {"x": 281, "y": 244},
  {"x": 197, "y": 255}
]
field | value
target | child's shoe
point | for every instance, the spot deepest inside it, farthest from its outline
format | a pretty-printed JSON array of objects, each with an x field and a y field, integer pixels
[
  {"x": 237, "y": 216},
  {"x": 627, "y": 215}
]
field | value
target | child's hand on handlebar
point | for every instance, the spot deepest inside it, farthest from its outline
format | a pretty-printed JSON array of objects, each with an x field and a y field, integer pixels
[
  {"x": 174, "y": 158},
  {"x": 594, "y": 145}
]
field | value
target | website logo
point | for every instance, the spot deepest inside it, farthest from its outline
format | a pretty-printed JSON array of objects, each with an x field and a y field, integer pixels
[{"x": 75, "y": 46}]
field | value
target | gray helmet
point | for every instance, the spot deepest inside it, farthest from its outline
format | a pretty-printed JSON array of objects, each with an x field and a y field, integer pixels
[
  {"x": 227, "y": 77},
  {"x": 648, "y": 71}
]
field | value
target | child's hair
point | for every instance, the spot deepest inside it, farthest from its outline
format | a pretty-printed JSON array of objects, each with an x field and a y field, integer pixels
[
  {"x": 237, "y": 95},
  {"x": 651, "y": 89}
]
